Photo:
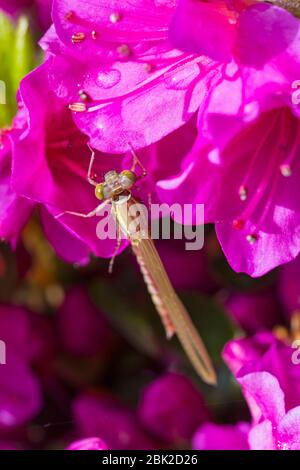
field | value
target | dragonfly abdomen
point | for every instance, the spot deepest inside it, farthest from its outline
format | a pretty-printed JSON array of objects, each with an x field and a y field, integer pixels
[{"x": 156, "y": 297}]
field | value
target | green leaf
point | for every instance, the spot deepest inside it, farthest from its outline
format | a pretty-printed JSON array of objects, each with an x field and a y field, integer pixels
[
  {"x": 211, "y": 321},
  {"x": 133, "y": 320},
  {"x": 6, "y": 41},
  {"x": 22, "y": 60},
  {"x": 17, "y": 58}
]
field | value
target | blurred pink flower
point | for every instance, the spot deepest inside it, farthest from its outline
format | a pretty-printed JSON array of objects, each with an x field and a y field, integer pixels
[
  {"x": 101, "y": 415},
  {"x": 91, "y": 443},
  {"x": 171, "y": 408},
  {"x": 83, "y": 329},
  {"x": 212, "y": 436},
  {"x": 41, "y": 8},
  {"x": 253, "y": 311},
  {"x": 187, "y": 269},
  {"x": 14, "y": 6},
  {"x": 7, "y": 445},
  {"x": 20, "y": 393}
]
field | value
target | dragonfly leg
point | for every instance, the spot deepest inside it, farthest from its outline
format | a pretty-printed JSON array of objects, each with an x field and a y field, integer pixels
[
  {"x": 118, "y": 244},
  {"x": 136, "y": 162},
  {"x": 89, "y": 174},
  {"x": 93, "y": 213}
]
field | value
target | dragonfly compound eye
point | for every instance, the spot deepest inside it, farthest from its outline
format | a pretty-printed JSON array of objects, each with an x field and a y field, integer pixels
[
  {"x": 127, "y": 179},
  {"x": 99, "y": 191}
]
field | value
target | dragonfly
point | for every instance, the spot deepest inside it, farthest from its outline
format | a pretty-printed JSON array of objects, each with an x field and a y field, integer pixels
[{"x": 116, "y": 190}]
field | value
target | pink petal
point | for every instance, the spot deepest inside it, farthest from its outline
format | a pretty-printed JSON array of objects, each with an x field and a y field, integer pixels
[
  {"x": 226, "y": 437},
  {"x": 256, "y": 41},
  {"x": 147, "y": 20},
  {"x": 20, "y": 394},
  {"x": 67, "y": 246},
  {"x": 289, "y": 429},
  {"x": 265, "y": 395},
  {"x": 261, "y": 437},
  {"x": 90, "y": 443},
  {"x": 14, "y": 210},
  {"x": 203, "y": 28}
]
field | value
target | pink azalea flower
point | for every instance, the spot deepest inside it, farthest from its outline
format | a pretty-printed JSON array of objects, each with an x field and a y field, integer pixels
[
  {"x": 90, "y": 443},
  {"x": 269, "y": 378},
  {"x": 257, "y": 212},
  {"x": 265, "y": 353},
  {"x": 240, "y": 29},
  {"x": 56, "y": 178},
  {"x": 277, "y": 428},
  {"x": 252, "y": 199},
  {"x": 142, "y": 76},
  {"x": 171, "y": 408},
  {"x": 11, "y": 203},
  {"x": 61, "y": 162},
  {"x": 243, "y": 112},
  {"x": 140, "y": 89}
]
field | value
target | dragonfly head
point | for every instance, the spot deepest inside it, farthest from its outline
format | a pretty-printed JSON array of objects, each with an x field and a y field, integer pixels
[{"x": 115, "y": 184}]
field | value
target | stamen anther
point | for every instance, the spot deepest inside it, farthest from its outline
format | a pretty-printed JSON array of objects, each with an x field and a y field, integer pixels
[
  {"x": 78, "y": 107},
  {"x": 77, "y": 38}
]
